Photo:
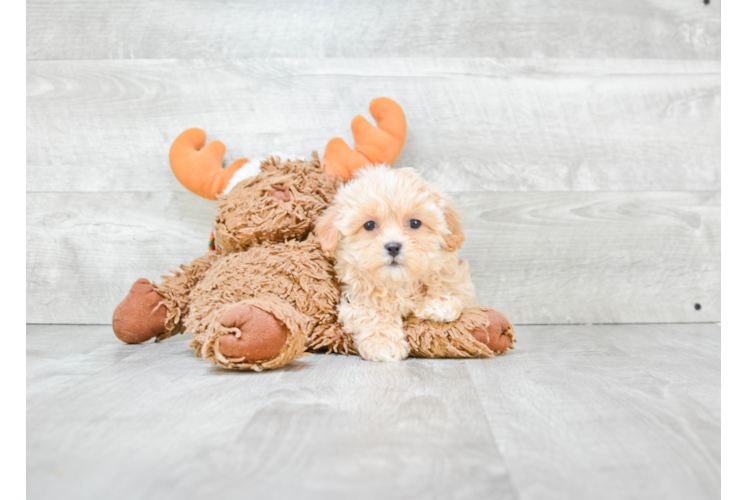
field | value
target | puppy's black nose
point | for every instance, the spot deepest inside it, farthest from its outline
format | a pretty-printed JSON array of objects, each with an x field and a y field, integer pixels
[{"x": 393, "y": 248}]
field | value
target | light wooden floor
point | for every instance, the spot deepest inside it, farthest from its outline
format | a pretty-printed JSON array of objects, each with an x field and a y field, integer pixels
[{"x": 574, "y": 412}]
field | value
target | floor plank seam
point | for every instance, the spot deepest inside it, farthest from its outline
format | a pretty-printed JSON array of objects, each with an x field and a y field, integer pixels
[{"x": 510, "y": 478}]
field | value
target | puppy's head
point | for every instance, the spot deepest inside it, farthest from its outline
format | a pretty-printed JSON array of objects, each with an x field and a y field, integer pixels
[{"x": 390, "y": 225}]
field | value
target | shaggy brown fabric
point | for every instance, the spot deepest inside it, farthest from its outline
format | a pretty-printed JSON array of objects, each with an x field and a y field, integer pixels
[
  {"x": 452, "y": 340},
  {"x": 251, "y": 213},
  {"x": 293, "y": 281},
  {"x": 332, "y": 338},
  {"x": 141, "y": 316},
  {"x": 266, "y": 261},
  {"x": 175, "y": 291}
]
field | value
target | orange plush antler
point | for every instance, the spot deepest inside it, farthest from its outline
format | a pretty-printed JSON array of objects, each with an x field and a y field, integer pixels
[
  {"x": 199, "y": 168},
  {"x": 382, "y": 144}
]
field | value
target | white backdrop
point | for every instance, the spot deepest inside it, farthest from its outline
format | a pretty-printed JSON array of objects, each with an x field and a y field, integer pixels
[{"x": 581, "y": 140}]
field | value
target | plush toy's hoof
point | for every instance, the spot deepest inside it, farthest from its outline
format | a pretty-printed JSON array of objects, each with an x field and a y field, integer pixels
[
  {"x": 499, "y": 336},
  {"x": 141, "y": 316},
  {"x": 262, "y": 337}
]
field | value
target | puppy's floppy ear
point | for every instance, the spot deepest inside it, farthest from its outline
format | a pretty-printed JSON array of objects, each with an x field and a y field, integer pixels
[
  {"x": 455, "y": 240},
  {"x": 326, "y": 231}
]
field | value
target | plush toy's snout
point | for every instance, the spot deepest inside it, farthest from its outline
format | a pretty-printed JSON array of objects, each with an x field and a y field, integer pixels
[{"x": 281, "y": 193}]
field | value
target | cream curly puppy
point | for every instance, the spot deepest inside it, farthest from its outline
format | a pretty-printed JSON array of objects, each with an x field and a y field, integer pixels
[{"x": 395, "y": 241}]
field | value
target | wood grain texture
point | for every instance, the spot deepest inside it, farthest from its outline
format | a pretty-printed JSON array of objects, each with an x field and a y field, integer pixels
[
  {"x": 164, "y": 424},
  {"x": 63, "y": 356},
  {"x": 728, "y": 255},
  {"x": 658, "y": 29},
  {"x": 578, "y": 412},
  {"x": 543, "y": 258},
  {"x": 608, "y": 411},
  {"x": 84, "y": 250},
  {"x": 553, "y": 258},
  {"x": 474, "y": 124}
]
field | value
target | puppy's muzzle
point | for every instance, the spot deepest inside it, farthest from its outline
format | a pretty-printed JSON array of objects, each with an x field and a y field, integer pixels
[{"x": 393, "y": 248}]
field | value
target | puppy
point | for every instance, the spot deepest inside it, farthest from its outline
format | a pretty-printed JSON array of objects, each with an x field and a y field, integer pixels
[{"x": 395, "y": 239}]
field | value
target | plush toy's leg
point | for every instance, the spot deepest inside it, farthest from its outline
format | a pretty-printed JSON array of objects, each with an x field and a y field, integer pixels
[
  {"x": 255, "y": 334},
  {"x": 261, "y": 336},
  {"x": 175, "y": 291},
  {"x": 478, "y": 333},
  {"x": 141, "y": 315},
  {"x": 157, "y": 310},
  {"x": 331, "y": 337},
  {"x": 499, "y": 335}
]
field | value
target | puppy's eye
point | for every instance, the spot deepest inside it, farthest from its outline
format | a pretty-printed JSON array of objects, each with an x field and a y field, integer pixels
[
  {"x": 415, "y": 223},
  {"x": 370, "y": 226}
]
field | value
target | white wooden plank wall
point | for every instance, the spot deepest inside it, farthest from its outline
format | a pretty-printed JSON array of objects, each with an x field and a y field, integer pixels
[
  {"x": 581, "y": 139},
  {"x": 635, "y": 29}
]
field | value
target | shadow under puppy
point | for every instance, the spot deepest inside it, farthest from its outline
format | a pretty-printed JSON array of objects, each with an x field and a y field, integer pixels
[{"x": 395, "y": 238}]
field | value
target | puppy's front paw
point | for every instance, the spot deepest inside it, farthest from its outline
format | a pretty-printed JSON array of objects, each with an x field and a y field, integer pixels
[
  {"x": 440, "y": 310},
  {"x": 382, "y": 349}
]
